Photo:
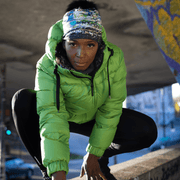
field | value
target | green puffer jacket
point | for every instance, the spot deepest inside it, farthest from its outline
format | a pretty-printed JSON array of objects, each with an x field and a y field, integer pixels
[{"x": 81, "y": 99}]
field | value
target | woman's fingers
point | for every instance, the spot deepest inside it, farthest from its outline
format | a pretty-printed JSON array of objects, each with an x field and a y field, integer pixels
[
  {"x": 102, "y": 176},
  {"x": 88, "y": 177},
  {"x": 95, "y": 176}
]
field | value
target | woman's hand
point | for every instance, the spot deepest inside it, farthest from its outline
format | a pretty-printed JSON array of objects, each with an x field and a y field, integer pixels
[
  {"x": 91, "y": 167},
  {"x": 59, "y": 175}
]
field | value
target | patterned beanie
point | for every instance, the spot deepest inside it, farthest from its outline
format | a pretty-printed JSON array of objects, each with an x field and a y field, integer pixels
[{"x": 82, "y": 24}]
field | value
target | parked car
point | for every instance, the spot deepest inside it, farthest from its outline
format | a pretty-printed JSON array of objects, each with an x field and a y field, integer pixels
[{"x": 16, "y": 167}]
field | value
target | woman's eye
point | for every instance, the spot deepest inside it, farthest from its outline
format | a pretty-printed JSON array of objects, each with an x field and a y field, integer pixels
[
  {"x": 91, "y": 45},
  {"x": 72, "y": 44}
]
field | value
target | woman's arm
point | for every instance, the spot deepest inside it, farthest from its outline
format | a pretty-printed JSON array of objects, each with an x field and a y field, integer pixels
[
  {"x": 54, "y": 127},
  {"x": 108, "y": 115}
]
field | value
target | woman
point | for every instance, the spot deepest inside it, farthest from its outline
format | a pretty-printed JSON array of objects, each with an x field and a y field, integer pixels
[{"x": 80, "y": 87}]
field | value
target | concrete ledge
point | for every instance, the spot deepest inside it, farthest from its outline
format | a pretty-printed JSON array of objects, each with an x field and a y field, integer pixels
[{"x": 163, "y": 164}]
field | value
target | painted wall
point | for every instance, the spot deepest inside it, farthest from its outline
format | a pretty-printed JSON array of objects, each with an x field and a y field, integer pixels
[{"x": 163, "y": 19}]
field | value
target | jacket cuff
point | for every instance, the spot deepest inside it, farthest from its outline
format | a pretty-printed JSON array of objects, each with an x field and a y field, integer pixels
[
  {"x": 95, "y": 151},
  {"x": 57, "y": 166}
]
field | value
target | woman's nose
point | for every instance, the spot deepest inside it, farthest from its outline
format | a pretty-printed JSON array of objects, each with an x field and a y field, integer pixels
[{"x": 79, "y": 52}]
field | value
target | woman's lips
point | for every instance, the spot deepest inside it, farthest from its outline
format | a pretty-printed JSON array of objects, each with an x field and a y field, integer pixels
[{"x": 80, "y": 64}]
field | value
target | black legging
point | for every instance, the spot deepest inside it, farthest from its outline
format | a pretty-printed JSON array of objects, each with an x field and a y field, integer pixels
[{"x": 135, "y": 130}]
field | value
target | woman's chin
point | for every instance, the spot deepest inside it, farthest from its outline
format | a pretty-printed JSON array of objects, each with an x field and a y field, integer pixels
[{"x": 80, "y": 68}]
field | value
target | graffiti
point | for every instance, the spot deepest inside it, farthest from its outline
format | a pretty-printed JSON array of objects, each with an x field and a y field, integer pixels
[
  {"x": 168, "y": 172},
  {"x": 163, "y": 19},
  {"x": 168, "y": 39}
]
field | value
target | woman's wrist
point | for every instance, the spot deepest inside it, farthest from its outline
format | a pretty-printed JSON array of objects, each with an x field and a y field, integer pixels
[
  {"x": 93, "y": 156},
  {"x": 59, "y": 175}
]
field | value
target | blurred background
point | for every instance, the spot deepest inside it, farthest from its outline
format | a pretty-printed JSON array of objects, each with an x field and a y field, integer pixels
[{"x": 151, "y": 80}]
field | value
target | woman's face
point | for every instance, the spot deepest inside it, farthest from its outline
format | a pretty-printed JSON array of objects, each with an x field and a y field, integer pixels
[{"x": 81, "y": 52}]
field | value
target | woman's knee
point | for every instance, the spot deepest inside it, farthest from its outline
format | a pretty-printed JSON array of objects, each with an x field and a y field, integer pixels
[
  {"x": 21, "y": 98},
  {"x": 21, "y": 104},
  {"x": 150, "y": 132}
]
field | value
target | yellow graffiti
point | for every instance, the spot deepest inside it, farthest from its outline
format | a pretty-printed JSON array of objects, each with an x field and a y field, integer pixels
[
  {"x": 175, "y": 7},
  {"x": 167, "y": 34},
  {"x": 152, "y": 4},
  {"x": 177, "y": 108}
]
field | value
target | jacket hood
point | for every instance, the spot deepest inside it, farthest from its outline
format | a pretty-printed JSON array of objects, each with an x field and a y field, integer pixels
[{"x": 55, "y": 35}]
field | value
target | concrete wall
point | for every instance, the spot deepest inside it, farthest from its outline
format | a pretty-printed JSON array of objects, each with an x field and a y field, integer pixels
[{"x": 163, "y": 164}]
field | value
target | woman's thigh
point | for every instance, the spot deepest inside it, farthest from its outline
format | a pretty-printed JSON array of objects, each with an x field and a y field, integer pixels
[
  {"x": 134, "y": 127},
  {"x": 26, "y": 120},
  {"x": 83, "y": 129}
]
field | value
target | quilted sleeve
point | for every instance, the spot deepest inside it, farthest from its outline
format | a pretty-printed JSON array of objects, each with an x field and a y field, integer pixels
[
  {"x": 54, "y": 127},
  {"x": 108, "y": 115}
]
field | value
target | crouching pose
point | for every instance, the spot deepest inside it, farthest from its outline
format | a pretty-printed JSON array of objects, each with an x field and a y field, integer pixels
[{"x": 80, "y": 86}]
